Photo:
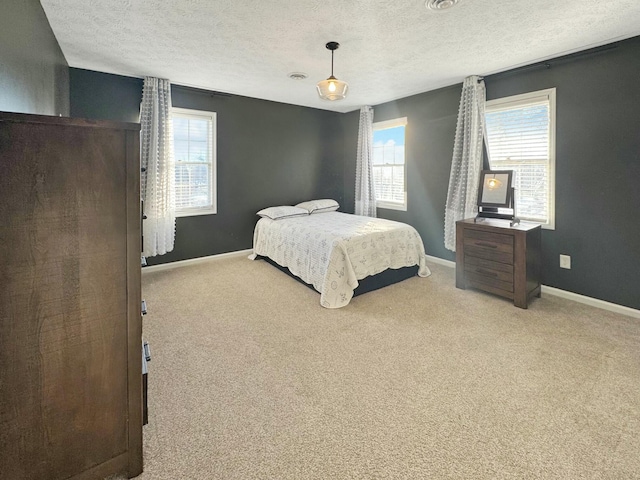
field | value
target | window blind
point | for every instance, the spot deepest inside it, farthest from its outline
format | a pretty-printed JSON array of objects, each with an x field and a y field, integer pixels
[
  {"x": 193, "y": 153},
  {"x": 519, "y": 139},
  {"x": 389, "y": 161}
]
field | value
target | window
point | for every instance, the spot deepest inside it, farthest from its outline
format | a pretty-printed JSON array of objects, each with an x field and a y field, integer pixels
[
  {"x": 194, "y": 154},
  {"x": 389, "y": 172},
  {"x": 521, "y": 137}
]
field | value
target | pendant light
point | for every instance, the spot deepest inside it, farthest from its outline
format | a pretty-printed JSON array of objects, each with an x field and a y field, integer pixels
[
  {"x": 332, "y": 88},
  {"x": 493, "y": 183}
]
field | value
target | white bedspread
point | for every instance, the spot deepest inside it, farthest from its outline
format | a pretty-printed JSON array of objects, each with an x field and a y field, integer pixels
[{"x": 332, "y": 251}]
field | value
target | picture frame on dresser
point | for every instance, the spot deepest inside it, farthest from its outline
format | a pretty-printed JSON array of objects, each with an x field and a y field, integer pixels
[
  {"x": 496, "y": 196},
  {"x": 495, "y": 188}
]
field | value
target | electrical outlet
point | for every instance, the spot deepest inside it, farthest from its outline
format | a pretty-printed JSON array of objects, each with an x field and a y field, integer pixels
[{"x": 565, "y": 262}]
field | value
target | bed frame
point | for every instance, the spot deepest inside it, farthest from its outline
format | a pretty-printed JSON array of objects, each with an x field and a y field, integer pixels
[{"x": 367, "y": 284}]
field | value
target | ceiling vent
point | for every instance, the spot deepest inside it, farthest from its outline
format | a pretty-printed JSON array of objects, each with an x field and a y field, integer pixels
[
  {"x": 440, "y": 4},
  {"x": 297, "y": 76}
]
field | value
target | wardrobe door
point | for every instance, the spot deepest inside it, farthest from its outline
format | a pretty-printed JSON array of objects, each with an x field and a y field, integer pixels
[{"x": 66, "y": 298}]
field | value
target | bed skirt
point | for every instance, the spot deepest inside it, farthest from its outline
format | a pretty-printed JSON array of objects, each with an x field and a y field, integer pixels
[{"x": 367, "y": 284}]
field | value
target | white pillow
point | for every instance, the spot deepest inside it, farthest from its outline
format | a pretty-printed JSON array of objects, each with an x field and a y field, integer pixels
[
  {"x": 319, "y": 206},
  {"x": 284, "y": 211}
]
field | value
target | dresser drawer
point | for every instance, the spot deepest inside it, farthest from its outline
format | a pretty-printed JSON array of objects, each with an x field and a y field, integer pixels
[
  {"x": 481, "y": 281},
  {"x": 490, "y": 238},
  {"x": 485, "y": 273},
  {"x": 490, "y": 246},
  {"x": 488, "y": 268}
]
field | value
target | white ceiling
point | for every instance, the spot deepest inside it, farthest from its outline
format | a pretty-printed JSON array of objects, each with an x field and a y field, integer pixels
[{"x": 388, "y": 49}]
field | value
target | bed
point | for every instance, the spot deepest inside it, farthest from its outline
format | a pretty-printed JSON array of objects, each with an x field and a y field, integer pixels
[{"x": 334, "y": 252}]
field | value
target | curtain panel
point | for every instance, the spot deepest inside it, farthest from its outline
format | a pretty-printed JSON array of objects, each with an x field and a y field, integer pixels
[
  {"x": 158, "y": 168},
  {"x": 466, "y": 164},
  {"x": 365, "y": 192}
]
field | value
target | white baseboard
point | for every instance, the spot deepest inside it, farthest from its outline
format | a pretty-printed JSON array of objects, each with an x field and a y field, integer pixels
[
  {"x": 193, "y": 261},
  {"x": 594, "y": 302},
  {"x": 441, "y": 261}
]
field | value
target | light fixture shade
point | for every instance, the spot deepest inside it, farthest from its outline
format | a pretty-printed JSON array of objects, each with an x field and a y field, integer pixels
[
  {"x": 332, "y": 89},
  {"x": 494, "y": 183}
]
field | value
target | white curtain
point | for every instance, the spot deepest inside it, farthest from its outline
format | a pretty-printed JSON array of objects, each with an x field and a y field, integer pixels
[
  {"x": 158, "y": 176},
  {"x": 365, "y": 193},
  {"x": 467, "y": 159}
]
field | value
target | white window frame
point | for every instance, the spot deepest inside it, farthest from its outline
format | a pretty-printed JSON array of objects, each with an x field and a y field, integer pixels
[
  {"x": 396, "y": 122},
  {"x": 547, "y": 95},
  {"x": 213, "y": 191}
]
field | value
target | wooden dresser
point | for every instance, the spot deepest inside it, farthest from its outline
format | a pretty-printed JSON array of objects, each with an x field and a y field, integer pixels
[
  {"x": 500, "y": 259},
  {"x": 70, "y": 326}
]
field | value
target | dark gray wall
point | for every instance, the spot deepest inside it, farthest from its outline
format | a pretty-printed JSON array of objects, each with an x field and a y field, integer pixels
[
  {"x": 430, "y": 131},
  {"x": 597, "y": 167},
  {"x": 34, "y": 75},
  {"x": 270, "y": 153},
  {"x": 103, "y": 96},
  {"x": 267, "y": 154}
]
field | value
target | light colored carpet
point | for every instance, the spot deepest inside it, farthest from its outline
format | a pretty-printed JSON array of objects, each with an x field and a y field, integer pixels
[{"x": 252, "y": 379}]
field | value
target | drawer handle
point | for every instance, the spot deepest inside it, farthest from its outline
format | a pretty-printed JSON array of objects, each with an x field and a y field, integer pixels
[
  {"x": 486, "y": 272},
  {"x": 484, "y": 244}
]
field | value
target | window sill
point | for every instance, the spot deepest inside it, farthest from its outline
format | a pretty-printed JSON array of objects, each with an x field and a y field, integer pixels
[
  {"x": 545, "y": 226},
  {"x": 193, "y": 213},
  {"x": 392, "y": 206}
]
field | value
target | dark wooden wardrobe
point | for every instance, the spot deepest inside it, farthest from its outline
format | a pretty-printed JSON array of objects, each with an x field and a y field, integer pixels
[{"x": 70, "y": 320}]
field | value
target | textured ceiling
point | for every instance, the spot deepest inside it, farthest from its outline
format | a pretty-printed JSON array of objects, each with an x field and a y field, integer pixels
[{"x": 388, "y": 49}]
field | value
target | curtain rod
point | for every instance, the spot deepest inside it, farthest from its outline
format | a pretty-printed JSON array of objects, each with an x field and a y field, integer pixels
[
  {"x": 549, "y": 63},
  {"x": 203, "y": 91}
]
